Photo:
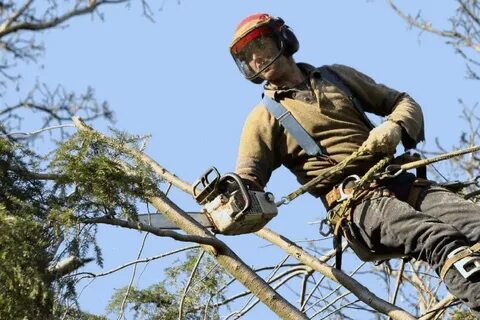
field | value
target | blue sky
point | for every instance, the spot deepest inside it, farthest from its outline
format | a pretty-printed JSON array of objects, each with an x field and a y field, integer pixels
[{"x": 174, "y": 79}]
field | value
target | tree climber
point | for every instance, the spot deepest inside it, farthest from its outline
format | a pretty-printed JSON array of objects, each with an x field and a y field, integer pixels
[{"x": 312, "y": 118}]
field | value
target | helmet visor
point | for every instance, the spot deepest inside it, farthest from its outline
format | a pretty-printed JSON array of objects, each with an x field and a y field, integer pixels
[{"x": 256, "y": 51}]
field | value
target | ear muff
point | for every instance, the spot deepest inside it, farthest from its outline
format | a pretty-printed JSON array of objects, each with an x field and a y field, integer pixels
[
  {"x": 286, "y": 34},
  {"x": 290, "y": 41}
]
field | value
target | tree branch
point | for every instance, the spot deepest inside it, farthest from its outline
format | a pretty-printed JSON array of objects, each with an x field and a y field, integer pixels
[
  {"x": 145, "y": 227},
  {"x": 96, "y": 275},
  {"x": 67, "y": 266},
  {"x": 7, "y": 27},
  {"x": 336, "y": 275}
]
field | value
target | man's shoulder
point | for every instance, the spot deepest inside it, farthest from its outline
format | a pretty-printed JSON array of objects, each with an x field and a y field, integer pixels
[
  {"x": 259, "y": 111},
  {"x": 337, "y": 67}
]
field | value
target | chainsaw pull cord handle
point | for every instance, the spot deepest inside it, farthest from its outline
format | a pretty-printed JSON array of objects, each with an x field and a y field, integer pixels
[{"x": 243, "y": 191}]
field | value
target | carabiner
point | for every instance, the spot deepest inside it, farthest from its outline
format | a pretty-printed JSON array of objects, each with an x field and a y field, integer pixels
[{"x": 324, "y": 223}]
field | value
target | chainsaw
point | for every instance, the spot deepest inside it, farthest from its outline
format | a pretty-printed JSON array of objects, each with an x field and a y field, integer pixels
[{"x": 228, "y": 206}]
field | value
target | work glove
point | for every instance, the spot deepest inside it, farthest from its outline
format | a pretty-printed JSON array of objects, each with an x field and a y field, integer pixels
[{"x": 383, "y": 139}]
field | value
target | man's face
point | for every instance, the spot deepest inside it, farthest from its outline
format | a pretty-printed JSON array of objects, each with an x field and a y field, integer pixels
[
  {"x": 262, "y": 52},
  {"x": 257, "y": 57}
]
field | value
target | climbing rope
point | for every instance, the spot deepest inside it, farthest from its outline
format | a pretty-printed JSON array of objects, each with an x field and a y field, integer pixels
[
  {"x": 336, "y": 169},
  {"x": 391, "y": 170}
]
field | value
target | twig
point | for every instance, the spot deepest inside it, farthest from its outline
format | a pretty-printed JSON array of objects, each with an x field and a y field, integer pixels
[
  {"x": 338, "y": 309},
  {"x": 28, "y": 134},
  {"x": 323, "y": 259},
  {"x": 335, "y": 290},
  {"x": 440, "y": 306},
  {"x": 398, "y": 282},
  {"x": 146, "y": 260},
  {"x": 205, "y": 317},
  {"x": 187, "y": 286},
  {"x": 343, "y": 295},
  {"x": 122, "y": 307}
]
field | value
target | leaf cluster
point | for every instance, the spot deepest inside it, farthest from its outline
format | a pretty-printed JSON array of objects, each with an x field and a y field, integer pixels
[
  {"x": 24, "y": 283},
  {"x": 162, "y": 300},
  {"x": 101, "y": 179}
]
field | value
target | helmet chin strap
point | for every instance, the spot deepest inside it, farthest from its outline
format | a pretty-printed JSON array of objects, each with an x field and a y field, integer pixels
[{"x": 256, "y": 75}]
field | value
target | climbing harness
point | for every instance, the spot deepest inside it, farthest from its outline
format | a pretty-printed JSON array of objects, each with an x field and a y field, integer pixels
[{"x": 339, "y": 221}]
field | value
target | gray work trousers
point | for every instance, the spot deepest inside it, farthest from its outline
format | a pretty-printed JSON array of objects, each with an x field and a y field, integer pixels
[{"x": 441, "y": 222}]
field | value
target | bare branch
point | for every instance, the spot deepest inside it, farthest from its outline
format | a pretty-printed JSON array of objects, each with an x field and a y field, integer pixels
[
  {"x": 122, "y": 307},
  {"x": 7, "y": 27},
  {"x": 146, "y": 260},
  {"x": 144, "y": 227},
  {"x": 336, "y": 275},
  {"x": 187, "y": 286}
]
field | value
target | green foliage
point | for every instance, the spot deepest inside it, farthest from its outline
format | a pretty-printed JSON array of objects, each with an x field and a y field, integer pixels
[
  {"x": 19, "y": 193},
  {"x": 104, "y": 178},
  {"x": 24, "y": 283},
  {"x": 74, "y": 314},
  {"x": 162, "y": 300},
  {"x": 463, "y": 315}
]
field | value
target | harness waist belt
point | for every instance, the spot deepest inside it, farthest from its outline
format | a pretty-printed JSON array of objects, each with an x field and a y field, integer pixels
[{"x": 334, "y": 196}]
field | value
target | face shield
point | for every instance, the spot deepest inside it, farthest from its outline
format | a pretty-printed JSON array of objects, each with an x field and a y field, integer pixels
[{"x": 256, "y": 51}]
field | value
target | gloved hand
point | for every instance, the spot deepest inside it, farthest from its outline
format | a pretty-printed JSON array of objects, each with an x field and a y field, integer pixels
[{"x": 384, "y": 138}]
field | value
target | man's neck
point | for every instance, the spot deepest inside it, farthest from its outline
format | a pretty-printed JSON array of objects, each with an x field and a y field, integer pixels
[{"x": 293, "y": 77}]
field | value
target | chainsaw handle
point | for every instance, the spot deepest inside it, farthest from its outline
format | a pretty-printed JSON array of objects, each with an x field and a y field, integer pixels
[
  {"x": 243, "y": 191},
  {"x": 204, "y": 189}
]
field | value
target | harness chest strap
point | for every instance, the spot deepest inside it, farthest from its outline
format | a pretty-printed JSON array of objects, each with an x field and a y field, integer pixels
[{"x": 288, "y": 121}]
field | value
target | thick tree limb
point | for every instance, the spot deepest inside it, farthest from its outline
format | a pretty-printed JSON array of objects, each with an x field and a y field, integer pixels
[
  {"x": 218, "y": 249},
  {"x": 229, "y": 260}
]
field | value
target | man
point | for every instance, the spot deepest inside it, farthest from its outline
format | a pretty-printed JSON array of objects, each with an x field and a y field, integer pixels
[{"x": 395, "y": 215}]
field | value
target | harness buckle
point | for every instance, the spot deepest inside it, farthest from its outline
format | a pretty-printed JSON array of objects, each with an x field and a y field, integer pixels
[{"x": 469, "y": 265}]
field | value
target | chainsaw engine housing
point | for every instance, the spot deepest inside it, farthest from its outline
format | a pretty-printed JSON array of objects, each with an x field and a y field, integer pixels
[{"x": 229, "y": 215}]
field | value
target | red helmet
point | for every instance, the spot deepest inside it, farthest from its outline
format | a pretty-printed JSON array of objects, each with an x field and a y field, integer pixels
[{"x": 263, "y": 33}]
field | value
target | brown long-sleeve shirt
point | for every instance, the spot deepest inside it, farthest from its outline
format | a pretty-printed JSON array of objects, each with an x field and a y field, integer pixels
[{"x": 331, "y": 120}]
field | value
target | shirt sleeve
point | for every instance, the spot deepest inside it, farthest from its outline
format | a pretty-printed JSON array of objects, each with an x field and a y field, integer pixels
[
  {"x": 379, "y": 99},
  {"x": 258, "y": 153}
]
